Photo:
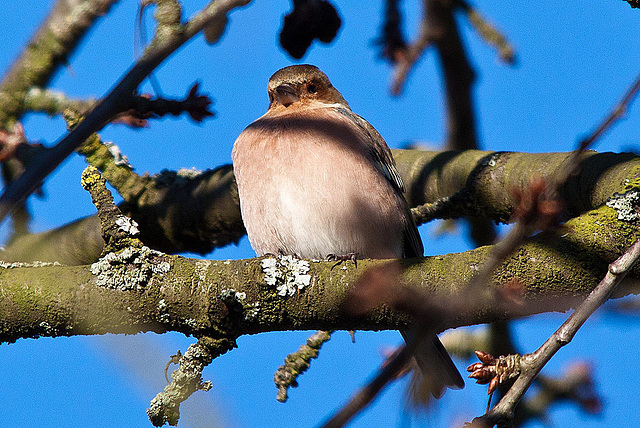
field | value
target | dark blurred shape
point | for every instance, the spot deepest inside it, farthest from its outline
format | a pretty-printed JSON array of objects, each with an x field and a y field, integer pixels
[
  {"x": 391, "y": 41},
  {"x": 309, "y": 20}
]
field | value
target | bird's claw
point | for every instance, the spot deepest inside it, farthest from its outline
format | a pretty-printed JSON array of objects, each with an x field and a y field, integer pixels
[{"x": 339, "y": 259}]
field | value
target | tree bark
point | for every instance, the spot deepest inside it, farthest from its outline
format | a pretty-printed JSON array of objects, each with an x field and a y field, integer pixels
[
  {"x": 154, "y": 292},
  {"x": 200, "y": 213}
]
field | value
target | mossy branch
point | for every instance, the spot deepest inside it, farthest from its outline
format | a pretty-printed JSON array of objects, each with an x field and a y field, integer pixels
[
  {"x": 187, "y": 379},
  {"x": 151, "y": 291},
  {"x": 187, "y": 211},
  {"x": 297, "y": 363}
]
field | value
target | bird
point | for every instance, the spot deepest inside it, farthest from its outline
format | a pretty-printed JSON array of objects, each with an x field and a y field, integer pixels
[{"x": 315, "y": 179}]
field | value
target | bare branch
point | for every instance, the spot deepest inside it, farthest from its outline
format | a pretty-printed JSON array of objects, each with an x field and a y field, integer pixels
[
  {"x": 116, "y": 101},
  {"x": 489, "y": 33},
  {"x": 194, "y": 104},
  {"x": 405, "y": 59},
  {"x": 533, "y": 363},
  {"x": 48, "y": 49},
  {"x": 391, "y": 40}
]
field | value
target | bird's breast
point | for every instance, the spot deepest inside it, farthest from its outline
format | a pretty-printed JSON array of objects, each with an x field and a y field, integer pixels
[{"x": 307, "y": 187}]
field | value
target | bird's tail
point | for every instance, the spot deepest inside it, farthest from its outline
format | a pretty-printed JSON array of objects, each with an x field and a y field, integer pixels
[{"x": 435, "y": 371}]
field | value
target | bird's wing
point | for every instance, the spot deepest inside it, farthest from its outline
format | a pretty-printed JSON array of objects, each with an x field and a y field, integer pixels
[
  {"x": 378, "y": 149},
  {"x": 383, "y": 160}
]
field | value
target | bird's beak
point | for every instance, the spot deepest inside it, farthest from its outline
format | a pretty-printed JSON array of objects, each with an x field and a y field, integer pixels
[{"x": 287, "y": 94}]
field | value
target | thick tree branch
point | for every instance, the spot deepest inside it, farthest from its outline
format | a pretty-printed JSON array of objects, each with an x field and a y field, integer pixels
[
  {"x": 156, "y": 292},
  {"x": 199, "y": 212}
]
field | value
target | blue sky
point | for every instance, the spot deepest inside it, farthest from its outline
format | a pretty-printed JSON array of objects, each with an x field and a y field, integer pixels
[{"x": 575, "y": 61}]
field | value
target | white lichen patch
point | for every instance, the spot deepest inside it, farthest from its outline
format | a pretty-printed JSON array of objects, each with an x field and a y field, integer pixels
[
  {"x": 287, "y": 274},
  {"x": 162, "y": 308},
  {"x": 251, "y": 311},
  {"x": 625, "y": 204},
  {"x": 189, "y": 172},
  {"x": 119, "y": 158},
  {"x": 230, "y": 293},
  {"x": 48, "y": 329},
  {"x": 35, "y": 264},
  {"x": 130, "y": 269},
  {"x": 127, "y": 225},
  {"x": 201, "y": 268}
]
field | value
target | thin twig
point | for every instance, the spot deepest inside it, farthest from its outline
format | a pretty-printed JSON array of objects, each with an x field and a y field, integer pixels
[
  {"x": 533, "y": 363},
  {"x": 297, "y": 363},
  {"x": 51, "y": 102},
  {"x": 391, "y": 40},
  {"x": 406, "y": 59},
  {"x": 393, "y": 366},
  {"x": 489, "y": 33},
  {"x": 194, "y": 104}
]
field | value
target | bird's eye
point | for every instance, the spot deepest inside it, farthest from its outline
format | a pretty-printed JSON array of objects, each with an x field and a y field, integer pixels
[{"x": 312, "y": 88}]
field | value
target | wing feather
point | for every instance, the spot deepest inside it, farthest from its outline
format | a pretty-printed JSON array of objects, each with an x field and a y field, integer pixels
[{"x": 381, "y": 157}]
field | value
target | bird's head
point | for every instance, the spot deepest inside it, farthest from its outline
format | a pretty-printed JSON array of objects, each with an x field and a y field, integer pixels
[{"x": 302, "y": 85}]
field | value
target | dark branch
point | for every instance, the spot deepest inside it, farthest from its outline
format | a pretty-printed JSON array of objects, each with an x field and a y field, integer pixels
[
  {"x": 116, "y": 101},
  {"x": 49, "y": 48}
]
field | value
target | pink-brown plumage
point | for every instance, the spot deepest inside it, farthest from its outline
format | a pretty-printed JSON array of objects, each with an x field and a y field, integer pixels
[
  {"x": 307, "y": 188},
  {"x": 316, "y": 179}
]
